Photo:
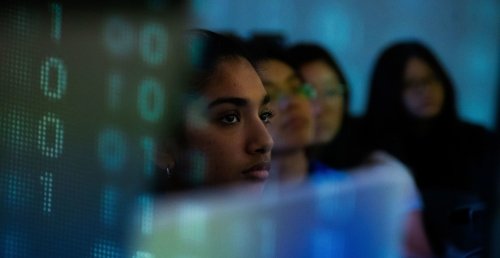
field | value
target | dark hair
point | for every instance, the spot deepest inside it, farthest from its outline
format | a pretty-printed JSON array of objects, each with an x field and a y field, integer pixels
[
  {"x": 385, "y": 104},
  {"x": 266, "y": 47},
  {"x": 347, "y": 149},
  {"x": 304, "y": 53},
  {"x": 206, "y": 50}
]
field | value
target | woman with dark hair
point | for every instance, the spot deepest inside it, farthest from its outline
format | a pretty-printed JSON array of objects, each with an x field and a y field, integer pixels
[
  {"x": 292, "y": 128},
  {"x": 221, "y": 136},
  {"x": 412, "y": 114},
  {"x": 339, "y": 142}
]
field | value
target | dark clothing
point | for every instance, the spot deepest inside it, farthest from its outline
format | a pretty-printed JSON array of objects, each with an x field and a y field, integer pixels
[
  {"x": 450, "y": 163},
  {"x": 348, "y": 149}
]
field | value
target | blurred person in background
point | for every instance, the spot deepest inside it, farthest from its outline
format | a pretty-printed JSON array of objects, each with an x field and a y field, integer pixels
[
  {"x": 292, "y": 128},
  {"x": 339, "y": 142},
  {"x": 412, "y": 114}
]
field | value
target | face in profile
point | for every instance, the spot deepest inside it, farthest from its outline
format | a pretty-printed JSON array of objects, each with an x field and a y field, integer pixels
[
  {"x": 226, "y": 126},
  {"x": 423, "y": 93},
  {"x": 292, "y": 128},
  {"x": 328, "y": 105}
]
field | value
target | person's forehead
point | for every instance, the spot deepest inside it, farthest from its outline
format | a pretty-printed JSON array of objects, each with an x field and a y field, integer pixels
[
  {"x": 417, "y": 65},
  {"x": 235, "y": 78},
  {"x": 275, "y": 70}
]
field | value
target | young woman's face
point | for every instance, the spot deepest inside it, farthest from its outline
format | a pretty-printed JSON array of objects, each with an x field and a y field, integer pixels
[
  {"x": 423, "y": 93},
  {"x": 226, "y": 128},
  {"x": 328, "y": 105},
  {"x": 292, "y": 128}
]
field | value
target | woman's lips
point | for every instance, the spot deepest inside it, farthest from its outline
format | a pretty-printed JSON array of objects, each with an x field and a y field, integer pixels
[{"x": 258, "y": 172}]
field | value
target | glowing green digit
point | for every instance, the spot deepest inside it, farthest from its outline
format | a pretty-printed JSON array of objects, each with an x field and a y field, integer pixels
[
  {"x": 112, "y": 149},
  {"x": 46, "y": 180},
  {"x": 106, "y": 249},
  {"x": 151, "y": 100},
  {"x": 55, "y": 149},
  {"x": 56, "y": 10},
  {"x": 153, "y": 44},
  {"x": 119, "y": 36},
  {"x": 60, "y": 89}
]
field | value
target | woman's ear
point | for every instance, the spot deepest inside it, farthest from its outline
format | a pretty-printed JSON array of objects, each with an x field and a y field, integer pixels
[{"x": 164, "y": 164}]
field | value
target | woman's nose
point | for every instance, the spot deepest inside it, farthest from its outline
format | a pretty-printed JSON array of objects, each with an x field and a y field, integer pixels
[{"x": 259, "y": 141}]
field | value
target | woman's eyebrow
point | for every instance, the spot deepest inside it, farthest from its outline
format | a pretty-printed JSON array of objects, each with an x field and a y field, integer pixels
[{"x": 229, "y": 100}]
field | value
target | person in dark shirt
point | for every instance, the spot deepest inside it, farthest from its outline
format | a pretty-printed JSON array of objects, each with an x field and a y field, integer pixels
[
  {"x": 339, "y": 141},
  {"x": 412, "y": 114}
]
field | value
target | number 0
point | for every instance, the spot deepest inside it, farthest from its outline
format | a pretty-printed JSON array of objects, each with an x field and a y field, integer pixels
[
  {"x": 55, "y": 149},
  {"x": 60, "y": 89}
]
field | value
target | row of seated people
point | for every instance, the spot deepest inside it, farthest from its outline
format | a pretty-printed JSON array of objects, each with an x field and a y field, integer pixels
[{"x": 248, "y": 100}]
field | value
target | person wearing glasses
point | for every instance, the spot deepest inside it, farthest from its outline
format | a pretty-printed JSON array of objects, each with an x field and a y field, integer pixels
[
  {"x": 339, "y": 142},
  {"x": 292, "y": 127}
]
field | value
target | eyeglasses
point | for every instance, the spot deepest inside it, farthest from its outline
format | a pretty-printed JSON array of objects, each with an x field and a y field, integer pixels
[
  {"x": 334, "y": 91},
  {"x": 308, "y": 91},
  {"x": 303, "y": 90}
]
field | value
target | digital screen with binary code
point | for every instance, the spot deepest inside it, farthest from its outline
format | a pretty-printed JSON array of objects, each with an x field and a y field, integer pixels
[{"x": 84, "y": 93}]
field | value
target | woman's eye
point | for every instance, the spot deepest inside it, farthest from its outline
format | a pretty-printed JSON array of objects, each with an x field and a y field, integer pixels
[
  {"x": 230, "y": 119},
  {"x": 266, "y": 117}
]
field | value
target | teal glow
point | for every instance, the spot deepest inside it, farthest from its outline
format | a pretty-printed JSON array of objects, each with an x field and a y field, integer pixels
[
  {"x": 47, "y": 183},
  {"x": 237, "y": 235},
  {"x": 106, "y": 249},
  {"x": 151, "y": 100},
  {"x": 335, "y": 26},
  {"x": 119, "y": 37},
  {"x": 148, "y": 146},
  {"x": 56, "y": 10},
  {"x": 115, "y": 81},
  {"x": 112, "y": 149},
  {"x": 153, "y": 44},
  {"x": 17, "y": 127},
  {"x": 142, "y": 254},
  {"x": 60, "y": 88},
  {"x": 193, "y": 224},
  {"x": 109, "y": 206},
  {"x": 146, "y": 203},
  {"x": 56, "y": 148},
  {"x": 268, "y": 244},
  {"x": 14, "y": 244},
  {"x": 19, "y": 191}
]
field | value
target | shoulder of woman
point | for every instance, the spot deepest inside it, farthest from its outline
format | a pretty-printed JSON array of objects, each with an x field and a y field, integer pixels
[
  {"x": 472, "y": 128},
  {"x": 475, "y": 135}
]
